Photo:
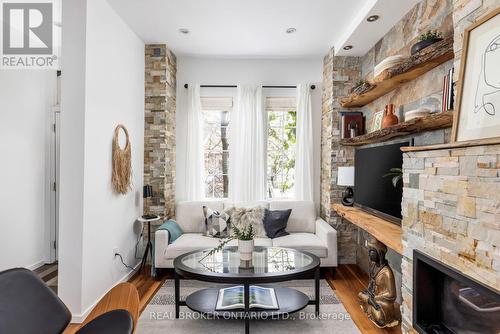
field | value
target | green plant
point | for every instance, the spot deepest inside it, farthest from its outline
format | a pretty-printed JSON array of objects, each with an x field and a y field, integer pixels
[
  {"x": 397, "y": 176},
  {"x": 245, "y": 233},
  {"x": 360, "y": 83},
  {"x": 431, "y": 34}
]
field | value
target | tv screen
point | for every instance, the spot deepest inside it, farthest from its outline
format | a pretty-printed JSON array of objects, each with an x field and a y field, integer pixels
[{"x": 373, "y": 188}]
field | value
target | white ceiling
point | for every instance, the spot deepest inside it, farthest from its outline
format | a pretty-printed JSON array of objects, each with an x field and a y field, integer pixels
[{"x": 256, "y": 28}]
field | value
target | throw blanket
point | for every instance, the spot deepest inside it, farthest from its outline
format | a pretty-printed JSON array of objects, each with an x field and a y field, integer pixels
[{"x": 174, "y": 231}]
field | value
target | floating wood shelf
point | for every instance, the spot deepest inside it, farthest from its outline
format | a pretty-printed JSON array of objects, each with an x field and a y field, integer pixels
[
  {"x": 394, "y": 77},
  {"x": 427, "y": 123},
  {"x": 383, "y": 230}
]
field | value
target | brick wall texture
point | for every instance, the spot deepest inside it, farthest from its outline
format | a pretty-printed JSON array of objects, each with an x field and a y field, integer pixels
[{"x": 159, "y": 141}]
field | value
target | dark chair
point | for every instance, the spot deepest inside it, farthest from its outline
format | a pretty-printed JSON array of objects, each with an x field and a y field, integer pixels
[{"x": 28, "y": 306}]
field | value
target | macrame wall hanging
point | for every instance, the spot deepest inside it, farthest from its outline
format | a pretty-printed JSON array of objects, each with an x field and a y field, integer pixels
[{"x": 122, "y": 162}]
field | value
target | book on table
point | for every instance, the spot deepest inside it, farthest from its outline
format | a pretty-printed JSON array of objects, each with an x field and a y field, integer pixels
[{"x": 233, "y": 298}]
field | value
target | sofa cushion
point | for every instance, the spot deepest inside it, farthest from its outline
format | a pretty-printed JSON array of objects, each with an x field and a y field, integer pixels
[
  {"x": 189, "y": 242},
  {"x": 216, "y": 223},
  {"x": 307, "y": 242},
  {"x": 189, "y": 215},
  {"x": 303, "y": 215},
  {"x": 275, "y": 222}
]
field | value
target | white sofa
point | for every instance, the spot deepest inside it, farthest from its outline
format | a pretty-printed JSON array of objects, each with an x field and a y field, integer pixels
[{"x": 307, "y": 231}]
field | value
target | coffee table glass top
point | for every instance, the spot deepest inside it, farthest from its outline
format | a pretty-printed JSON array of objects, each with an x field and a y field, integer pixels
[{"x": 265, "y": 261}]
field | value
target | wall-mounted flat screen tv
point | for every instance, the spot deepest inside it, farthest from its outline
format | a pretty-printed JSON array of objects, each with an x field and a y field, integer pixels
[{"x": 373, "y": 187}]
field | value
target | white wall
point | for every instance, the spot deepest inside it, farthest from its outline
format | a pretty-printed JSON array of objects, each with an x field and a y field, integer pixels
[
  {"x": 26, "y": 99},
  {"x": 103, "y": 86},
  {"x": 257, "y": 71}
]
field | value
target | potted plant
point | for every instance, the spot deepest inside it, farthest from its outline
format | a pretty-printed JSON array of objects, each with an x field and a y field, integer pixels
[
  {"x": 245, "y": 237},
  {"x": 361, "y": 86},
  {"x": 426, "y": 39}
]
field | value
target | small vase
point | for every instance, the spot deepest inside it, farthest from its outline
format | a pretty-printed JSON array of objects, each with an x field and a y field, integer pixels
[
  {"x": 419, "y": 46},
  {"x": 389, "y": 118},
  {"x": 245, "y": 248}
]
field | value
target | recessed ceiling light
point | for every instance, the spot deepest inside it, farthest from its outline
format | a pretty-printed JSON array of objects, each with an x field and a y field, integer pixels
[
  {"x": 291, "y": 30},
  {"x": 184, "y": 31},
  {"x": 348, "y": 47},
  {"x": 373, "y": 18}
]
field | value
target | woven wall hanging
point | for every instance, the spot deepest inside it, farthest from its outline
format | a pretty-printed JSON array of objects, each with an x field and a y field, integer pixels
[{"x": 122, "y": 162}]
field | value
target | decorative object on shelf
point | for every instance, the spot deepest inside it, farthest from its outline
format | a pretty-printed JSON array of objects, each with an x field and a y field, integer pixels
[
  {"x": 387, "y": 63},
  {"x": 361, "y": 86},
  {"x": 417, "y": 113},
  {"x": 122, "y": 162},
  {"x": 351, "y": 124},
  {"x": 147, "y": 193},
  {"x": 448, "y": 93},
  {"x": 426, "y": 40},
  {"x": 378, "y": 301},
  {"x": 377, "y": 120},
  {"x": 345, "y": 177},
  {"x": 478, "y": 97},
  {"x": 389, "y": 118}
]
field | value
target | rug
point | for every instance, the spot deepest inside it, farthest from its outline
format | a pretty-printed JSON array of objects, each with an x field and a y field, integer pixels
[{"x": 159, "y": 315}]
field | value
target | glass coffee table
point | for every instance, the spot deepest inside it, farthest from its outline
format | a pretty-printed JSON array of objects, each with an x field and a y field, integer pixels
[{"x": 268, "y": 265}]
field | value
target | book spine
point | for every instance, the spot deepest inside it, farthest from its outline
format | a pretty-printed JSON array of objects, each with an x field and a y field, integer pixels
[
  {"x": 450, "y": 89},
  {"x": 445, "y": 94}
]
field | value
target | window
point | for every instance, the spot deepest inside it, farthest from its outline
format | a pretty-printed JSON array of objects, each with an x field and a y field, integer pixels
[
  {"x": 281, "y": 143},
  {"x": 216, "y": 116}
]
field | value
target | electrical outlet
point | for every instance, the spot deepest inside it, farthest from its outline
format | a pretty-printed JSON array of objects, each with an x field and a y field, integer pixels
[{"x": 115, "y": 251}]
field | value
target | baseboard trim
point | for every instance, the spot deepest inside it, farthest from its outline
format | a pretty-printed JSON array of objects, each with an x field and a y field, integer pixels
[
  {"x": 79, "y": 318},
  {"x": 36, "y": 265}
]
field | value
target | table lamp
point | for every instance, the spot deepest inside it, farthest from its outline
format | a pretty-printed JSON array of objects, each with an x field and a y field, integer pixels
[{"x": 345, "y": 177}]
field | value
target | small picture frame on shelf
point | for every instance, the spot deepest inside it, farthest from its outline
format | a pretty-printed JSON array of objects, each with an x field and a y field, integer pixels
[
  {"x": 477, "y": 114},
  {"x": 377, "y": 120}
]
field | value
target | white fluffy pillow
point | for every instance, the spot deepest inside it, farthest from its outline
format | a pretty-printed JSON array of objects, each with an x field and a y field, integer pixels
[{"x": 242, "y": 217}]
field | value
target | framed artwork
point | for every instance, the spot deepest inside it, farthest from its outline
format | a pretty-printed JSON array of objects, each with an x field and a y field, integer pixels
[
  {"x": 478, "y": 105},
  {"x": 377, "y": 121}
]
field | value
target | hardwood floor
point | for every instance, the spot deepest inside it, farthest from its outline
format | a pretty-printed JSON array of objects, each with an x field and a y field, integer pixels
[
  {"x": 347, "y": 282},
  {"x": 48, "y": 273}
]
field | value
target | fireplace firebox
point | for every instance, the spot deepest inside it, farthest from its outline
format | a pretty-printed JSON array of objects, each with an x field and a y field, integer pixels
[{"x": 446, "y": 301}]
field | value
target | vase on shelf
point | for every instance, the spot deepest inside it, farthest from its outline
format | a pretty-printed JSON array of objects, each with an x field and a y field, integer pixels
[
  {"x": 245, "y": 248},
  {"x": 389, "y": 118}
]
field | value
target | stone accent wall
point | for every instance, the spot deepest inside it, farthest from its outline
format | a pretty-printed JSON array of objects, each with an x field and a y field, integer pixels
[
  {"x": 451, "y": 201},
  {"x": 159, "y": 133},
  {"x": 451, "y": 206},
  {"x": 339, "y": 76}
]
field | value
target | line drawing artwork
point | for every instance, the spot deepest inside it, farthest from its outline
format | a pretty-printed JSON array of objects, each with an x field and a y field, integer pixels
[{"x": 489, "y": 79}]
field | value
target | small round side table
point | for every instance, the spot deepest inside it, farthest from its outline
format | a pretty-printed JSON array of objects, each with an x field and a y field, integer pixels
[{"x": 149, "y": 246}]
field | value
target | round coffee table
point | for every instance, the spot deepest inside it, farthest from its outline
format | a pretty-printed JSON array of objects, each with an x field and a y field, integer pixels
[{"x": 268, "y": 265}]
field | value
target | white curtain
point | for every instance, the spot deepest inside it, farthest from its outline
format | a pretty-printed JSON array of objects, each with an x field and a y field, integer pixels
[
  {"x": 304, "y": 170},
  {"x": 247, "y": 151},
  {"x": 194, "y": 182}
]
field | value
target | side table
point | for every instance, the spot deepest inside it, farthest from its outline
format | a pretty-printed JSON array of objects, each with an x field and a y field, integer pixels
[{"x": 149, "y": 246}]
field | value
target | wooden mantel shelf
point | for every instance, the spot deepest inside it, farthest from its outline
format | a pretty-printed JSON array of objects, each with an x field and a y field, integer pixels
[
  {"x": 394, "y": 77},
  {"x": 427, "y": 123},
  {"x": 383, "y": 230}
]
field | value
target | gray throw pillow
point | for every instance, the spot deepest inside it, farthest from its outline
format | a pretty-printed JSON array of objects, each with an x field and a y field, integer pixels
[
  {"x": 275, "y": 222},
  {"x": 216, "y": 223}
]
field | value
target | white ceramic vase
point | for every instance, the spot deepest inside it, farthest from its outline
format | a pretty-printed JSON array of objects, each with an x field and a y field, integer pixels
[{"x": 245, "y": 248}]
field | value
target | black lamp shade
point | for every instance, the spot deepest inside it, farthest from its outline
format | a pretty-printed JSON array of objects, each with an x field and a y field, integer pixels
[{"x": 147, "y": 191}]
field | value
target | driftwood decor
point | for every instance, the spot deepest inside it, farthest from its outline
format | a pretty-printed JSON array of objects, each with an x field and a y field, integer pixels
[
  {"x": 426, "y": 123},
  {"x": 122, "y": 162},
  {"x": 392, "y": 78}
]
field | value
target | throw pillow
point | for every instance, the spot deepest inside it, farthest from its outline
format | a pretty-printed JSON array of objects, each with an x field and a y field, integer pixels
[
  {"x": 216, "y": 223},
  {"x": 174, "y": 230},
  {"x": 242, "y": 217},
  {"x": 275, "y": 222}
]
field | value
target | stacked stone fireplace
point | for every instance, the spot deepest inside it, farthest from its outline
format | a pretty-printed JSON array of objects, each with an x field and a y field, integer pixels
[{"x": 451, "y": 214}]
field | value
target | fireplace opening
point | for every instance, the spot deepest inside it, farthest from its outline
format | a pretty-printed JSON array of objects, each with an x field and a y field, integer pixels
[{"x": 447, "y": 302}]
